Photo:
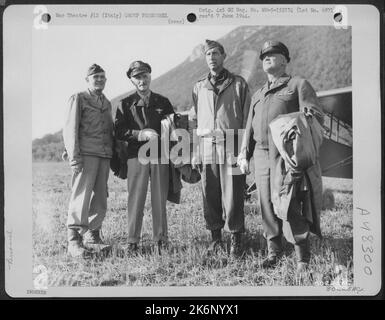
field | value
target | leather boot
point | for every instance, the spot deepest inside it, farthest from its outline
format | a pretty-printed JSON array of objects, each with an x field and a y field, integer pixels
[
  {"x": 302, "y": 251},
  {"x": 75, "y": 248},
  {"x": 236, "y": 245},
  {"x": 161, "y": 245},
  {"x": 92, "y": 240},
  {"x": 216, "y": 235},
  {"x": 132, "y": 249},
  {"x": 274, "y": 249},
  {"x": 216, "y": 240}
]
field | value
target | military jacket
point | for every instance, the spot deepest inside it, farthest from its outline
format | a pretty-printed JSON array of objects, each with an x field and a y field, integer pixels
[
  {"x": 132, "y": 116},
  {"x": 226, "y": 110},
  {"x": 88, "y": 129},
  {"x": 288, "y": 94}
]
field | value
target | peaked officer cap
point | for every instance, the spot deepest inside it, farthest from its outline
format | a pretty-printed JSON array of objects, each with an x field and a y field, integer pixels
[
  {"x": 138, "y": 67},
  {"x": 274, "y": 47}
]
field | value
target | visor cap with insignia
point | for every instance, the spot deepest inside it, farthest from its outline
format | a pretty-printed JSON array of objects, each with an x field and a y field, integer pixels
[
  {"x": 274, "y": 47},
  {"x": 213, "y": 44},
  {"x": 138, "y": 67},
  {"x": 95, "y": 68}
]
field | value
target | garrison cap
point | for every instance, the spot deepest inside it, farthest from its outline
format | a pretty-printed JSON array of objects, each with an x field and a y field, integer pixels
[
  {"x": 138, "y": 67},
  {"x": 274, "y": 47},
  {"x": 95, "y": 68},
  {"x": 213, "y": 44}
]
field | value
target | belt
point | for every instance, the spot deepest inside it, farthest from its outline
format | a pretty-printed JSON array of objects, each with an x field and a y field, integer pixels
[{"x": 214, "y": 139}]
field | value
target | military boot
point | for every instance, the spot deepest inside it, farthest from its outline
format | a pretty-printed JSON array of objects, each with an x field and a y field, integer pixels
[
  {"x": 236, "y": 245},
  {"x": 302, "y": 251},
  {"x": 162, "y": 245},
  {"x": 92, "y": 240},
  {"x": 216, "y": 240},
  {"x": 274, "y": 249},
  {"x": 75, "y": 248},
  {"x": 132, "y": 249}
]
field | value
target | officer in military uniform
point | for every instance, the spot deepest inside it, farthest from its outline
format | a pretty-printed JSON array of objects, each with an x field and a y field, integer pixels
[
  {"x": 88, "y": 134},
  {"x": 138, "y": 121},
  {"x": 281, "y": 94},
  {"x": 221, "y": 103}
]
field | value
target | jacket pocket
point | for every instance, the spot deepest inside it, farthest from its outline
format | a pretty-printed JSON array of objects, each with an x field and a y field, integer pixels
[
  {"x": 91, "y": 118},
  {"x": 286, "y": 96}
]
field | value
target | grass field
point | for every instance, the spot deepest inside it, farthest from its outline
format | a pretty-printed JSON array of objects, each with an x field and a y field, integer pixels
[{"x": 185, "y": 263}]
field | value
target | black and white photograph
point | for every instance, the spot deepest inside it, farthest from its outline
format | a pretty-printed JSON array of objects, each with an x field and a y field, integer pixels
[{"x": 177, "y": 155}]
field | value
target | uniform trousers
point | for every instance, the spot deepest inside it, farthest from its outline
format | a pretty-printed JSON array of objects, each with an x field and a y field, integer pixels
[
  {"x": 88, "y": 202},
  {"x": 296, "y": 228},
  {"x": 138, "y": 176},
  {"x": 222, "y": 191}
]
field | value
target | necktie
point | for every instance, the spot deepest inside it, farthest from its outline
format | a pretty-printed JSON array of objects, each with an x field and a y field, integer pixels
[
  {"x": 144, "y": 113},
  {"x": 100, "y": 100},
  {"x": 143, "y": 110}
]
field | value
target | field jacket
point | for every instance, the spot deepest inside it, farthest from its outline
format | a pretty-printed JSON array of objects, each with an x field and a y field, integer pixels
[
  {"x": 88, "y": 129},
  {"x": 228, "y": 109},
  {"x": 288, "y": 94}
]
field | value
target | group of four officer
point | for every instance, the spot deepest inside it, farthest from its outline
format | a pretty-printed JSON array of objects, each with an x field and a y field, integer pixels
[{"x": 221, "y": 102}]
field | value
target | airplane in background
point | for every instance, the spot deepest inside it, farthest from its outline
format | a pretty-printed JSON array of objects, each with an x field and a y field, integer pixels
[{"x": 336, "y": 153}]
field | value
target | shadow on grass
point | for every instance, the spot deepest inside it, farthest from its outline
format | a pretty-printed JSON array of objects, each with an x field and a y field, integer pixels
[
  {"x": 339, "y": 250},
  {"x": 254, "y": 242}
]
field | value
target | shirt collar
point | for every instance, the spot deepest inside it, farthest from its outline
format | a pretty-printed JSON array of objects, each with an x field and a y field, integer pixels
[
  {"x": 93, "y": 93},
  {"x": 223, "y": 83},
  {"x": 97, "y": 97},
  {"x": 146, "y": 97},
  {"x": 143, "y": 100},
  {"x": 220, "y": 77},
  {"x": 278, "y": 82}
]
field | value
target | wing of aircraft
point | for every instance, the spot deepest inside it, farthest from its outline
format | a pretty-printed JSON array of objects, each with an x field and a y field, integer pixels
[{"x": 336, "y": 155}]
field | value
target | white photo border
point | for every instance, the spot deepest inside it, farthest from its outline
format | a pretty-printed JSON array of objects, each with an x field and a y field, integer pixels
[{"x": 17, "y": 113}]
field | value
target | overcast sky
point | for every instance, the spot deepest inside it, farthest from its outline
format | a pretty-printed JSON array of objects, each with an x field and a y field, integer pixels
[{"x": 62, "y": 54}]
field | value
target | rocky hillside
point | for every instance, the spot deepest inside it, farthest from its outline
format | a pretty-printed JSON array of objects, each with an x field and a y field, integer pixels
[{"x": 320, "y": 54}]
